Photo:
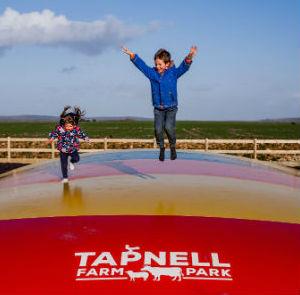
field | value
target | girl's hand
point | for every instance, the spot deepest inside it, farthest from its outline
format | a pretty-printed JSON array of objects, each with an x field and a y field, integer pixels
[{"x": 127, "y": 51}]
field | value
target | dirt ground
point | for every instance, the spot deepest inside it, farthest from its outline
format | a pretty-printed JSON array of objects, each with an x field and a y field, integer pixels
[{"x": 4, "y": 167}]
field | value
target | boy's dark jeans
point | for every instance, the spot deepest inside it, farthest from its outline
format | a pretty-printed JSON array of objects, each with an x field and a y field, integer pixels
[
  {"x": 64, "y": 161},
  {"x": 165, "y": 120}
]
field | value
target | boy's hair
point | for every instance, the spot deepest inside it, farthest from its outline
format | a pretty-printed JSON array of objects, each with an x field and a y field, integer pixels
[
  {"x": 71, "y": 117},
  {"x": 163, "y": 54}
]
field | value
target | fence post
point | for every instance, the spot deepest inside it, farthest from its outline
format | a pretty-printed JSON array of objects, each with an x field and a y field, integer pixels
[
  {"x": 105, "y": 143},
  {"x": 255, "y": 148},
  {"x": 52, "y": 150},
  {"x": 206, "y": 144},
  {"x": 8, "y": 149},
  {"x": 154, "y": 143}
]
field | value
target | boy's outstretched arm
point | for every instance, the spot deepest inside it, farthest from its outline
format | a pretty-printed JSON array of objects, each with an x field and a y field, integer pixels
[
  {"x": 128, "y": 52},
  {"x": 140, "y": 64},
  {"x": 192, "y": 53},
  {"x": 185, "y": 65}
]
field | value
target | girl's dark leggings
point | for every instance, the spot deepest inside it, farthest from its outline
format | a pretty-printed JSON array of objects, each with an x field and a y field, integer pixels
[{"x": 64, "y": 161}]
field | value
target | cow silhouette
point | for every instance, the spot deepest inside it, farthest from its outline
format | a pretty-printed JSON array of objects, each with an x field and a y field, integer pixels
[{"x": 174, "y": 272}]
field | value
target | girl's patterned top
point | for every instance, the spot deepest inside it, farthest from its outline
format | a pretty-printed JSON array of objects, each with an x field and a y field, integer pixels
[{"x": 68, "y": 141}]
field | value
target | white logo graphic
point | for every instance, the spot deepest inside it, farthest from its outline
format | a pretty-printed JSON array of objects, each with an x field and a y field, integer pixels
[
  {"x": 133, "y": 264},
  {"x": 174, "y": 272},
  {"x": 135, "y": 275}
]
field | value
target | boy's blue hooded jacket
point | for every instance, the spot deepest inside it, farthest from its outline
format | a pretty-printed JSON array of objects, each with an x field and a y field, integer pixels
[{"x": 163, "y": 87}]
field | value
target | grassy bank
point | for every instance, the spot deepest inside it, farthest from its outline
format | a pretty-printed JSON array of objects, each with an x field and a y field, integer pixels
[{"x": 144, "y": 129}]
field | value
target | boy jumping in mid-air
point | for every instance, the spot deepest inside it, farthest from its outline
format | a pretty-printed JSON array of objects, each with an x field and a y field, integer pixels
[
  {"x": 163, "y": 78},
  {"x": 68, "y": 133}
]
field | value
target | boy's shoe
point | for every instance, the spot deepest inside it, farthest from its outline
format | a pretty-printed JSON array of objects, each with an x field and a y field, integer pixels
[
  {"x": 162, "y": 154},
  {"x": 173, "y": 155},
  {"x": 71, "y": 166},
  {"x": 65, "y": 180}
]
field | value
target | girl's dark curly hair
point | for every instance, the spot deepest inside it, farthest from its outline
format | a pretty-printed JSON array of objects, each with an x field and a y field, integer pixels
[
  {"x": 78, "y": 114},
  {"x": 71, "y": 117}
]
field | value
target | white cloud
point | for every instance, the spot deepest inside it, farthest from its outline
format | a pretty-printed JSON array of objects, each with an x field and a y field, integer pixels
[{"x": 46, "y": 28}]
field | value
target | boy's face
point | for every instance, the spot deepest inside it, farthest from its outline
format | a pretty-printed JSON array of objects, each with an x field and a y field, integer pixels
[
  {"x": 69, "y": 127},
  {"x": 160, "y": 65}
]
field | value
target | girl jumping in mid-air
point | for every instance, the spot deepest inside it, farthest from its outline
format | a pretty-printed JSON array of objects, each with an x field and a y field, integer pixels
[{"x": 68, "y": 133}]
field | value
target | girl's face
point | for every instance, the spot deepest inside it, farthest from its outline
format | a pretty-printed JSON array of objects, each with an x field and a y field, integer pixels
[
  {"x": 161, "y": 66},
  {"x": 69, "y": 127}
]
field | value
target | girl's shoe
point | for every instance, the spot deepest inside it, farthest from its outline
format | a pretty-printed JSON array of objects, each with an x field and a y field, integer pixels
[
  {"x": 65, "y": 180},
  {"x": 71, "y": 166}
]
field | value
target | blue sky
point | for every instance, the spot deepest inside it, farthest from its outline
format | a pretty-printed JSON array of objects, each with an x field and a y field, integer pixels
[{"x": 247, "y": 66}]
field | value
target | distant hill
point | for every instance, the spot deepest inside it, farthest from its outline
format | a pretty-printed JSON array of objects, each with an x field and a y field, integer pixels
[
  {"x": 282, "y": 120},
  {"x": 41, "y": 118},
  {"x": 124, "y": 118},
  {"x": 28, "y": 118}
]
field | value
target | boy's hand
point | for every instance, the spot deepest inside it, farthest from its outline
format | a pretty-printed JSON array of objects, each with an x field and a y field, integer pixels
[
  {"x": 192, "y": 52},
  {"x": 50, "y": 140},
  {"x": 127, "y": 51}
]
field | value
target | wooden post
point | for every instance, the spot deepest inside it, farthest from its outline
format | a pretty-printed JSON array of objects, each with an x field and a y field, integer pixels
[
  {"x": 206, "y": 144},
  {"x": 105, "y": 143},
  {"x": 255, "y": 148},
  {"x": 154, "y": 143},
  {"x": 131, "y": 145},
  {"x": 8, "y": 149},
  {"x": 52, "y": 150}
]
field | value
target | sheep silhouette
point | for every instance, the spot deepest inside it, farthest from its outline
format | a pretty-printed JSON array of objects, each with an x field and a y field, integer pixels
[{"x": 135, "y": 275}]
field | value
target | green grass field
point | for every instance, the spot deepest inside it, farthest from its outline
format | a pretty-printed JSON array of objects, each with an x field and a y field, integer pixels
[{"x": 144, "y": 129}]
